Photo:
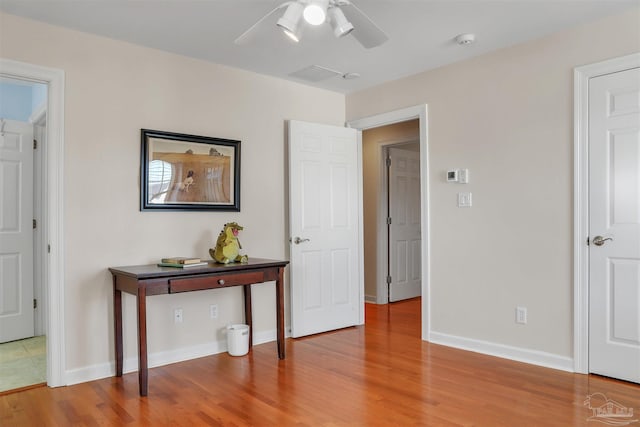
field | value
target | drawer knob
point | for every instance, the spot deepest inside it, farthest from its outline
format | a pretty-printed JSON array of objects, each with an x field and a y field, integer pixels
[{"x": 221, "y": 282}]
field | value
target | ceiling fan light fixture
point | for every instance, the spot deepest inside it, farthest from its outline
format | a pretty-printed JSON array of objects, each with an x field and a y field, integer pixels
[
  {"x": 341, "y": 26},
  {"x": 290, "y": 21},
  {"x": 315, "y": 13}
]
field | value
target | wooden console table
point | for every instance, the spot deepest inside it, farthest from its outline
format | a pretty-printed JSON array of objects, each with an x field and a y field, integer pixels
[{"x": 147, "y": 280}]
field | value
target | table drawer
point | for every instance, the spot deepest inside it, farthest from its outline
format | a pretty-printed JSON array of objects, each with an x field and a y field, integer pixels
[{"x": 196, "y": 283}]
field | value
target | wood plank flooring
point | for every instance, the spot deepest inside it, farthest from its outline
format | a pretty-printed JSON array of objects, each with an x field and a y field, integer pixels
[{"x": 377, "y": 375}]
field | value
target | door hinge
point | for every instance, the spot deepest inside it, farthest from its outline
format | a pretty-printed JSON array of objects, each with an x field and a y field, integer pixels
[
  {"x": 35, "y": 303},
  {"x": 49, "y": 249},
  {"x": 35, "y": 144},
  {"x": 35, "y": 224},
  {"x": 388, "y": 162},
  {"x": 388, "y": 280},
  {"x": 389, "y": 221}
]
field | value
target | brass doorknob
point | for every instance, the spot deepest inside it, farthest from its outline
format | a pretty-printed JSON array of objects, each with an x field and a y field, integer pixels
[{"x": 599, "y": 240}]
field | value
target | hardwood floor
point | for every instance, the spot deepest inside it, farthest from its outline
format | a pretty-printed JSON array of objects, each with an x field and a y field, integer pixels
[{"x": 377, "y": 375}]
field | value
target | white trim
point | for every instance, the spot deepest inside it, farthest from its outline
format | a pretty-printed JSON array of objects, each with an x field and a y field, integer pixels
[
  {"x": 581, "y": 76},
  {"x": 39, "y": 247},
  {"x": 534, "y": 357},
  {"x": 360, "y": 188},
  {"x": 53, "y": 208},
  {"x": 418, "y": 112},
  {"x": 39, "y": 115},
  {"x": 160, "y": 358},
  {"x": 388, "y": 118},
  {"x": 382, "y": 235},
  {"x": 370, "y": 299},
  {"x": 39, "y": 120}
]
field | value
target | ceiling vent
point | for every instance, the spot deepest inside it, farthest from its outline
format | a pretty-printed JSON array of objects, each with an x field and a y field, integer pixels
[{"x": 315, "y": 73}]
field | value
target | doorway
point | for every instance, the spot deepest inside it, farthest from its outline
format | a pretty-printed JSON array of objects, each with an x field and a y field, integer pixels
[
  {"x": 391, "y": 199},
  {"x": 420, "y": 114},
  {"x": 22, "y": 327},
  {"x": 51, "y": 248}
]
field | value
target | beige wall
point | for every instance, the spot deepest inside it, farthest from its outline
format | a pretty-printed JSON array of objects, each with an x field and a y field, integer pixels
[
  {"x": 113, "y": 89},
  {"x": 508, "y": 117},
  {"x": 372, "y": 140}
]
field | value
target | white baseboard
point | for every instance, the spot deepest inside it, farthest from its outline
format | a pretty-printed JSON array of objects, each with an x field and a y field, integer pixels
[
  {"x": 161, "y": 358},
  {"x": 370, "y": 298},
  {"x": 104, "y": 370},
  {"x": 534, "y": 357}
]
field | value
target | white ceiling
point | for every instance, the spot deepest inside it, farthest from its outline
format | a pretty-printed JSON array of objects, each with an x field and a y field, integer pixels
[{"x": 421, "y": 32}]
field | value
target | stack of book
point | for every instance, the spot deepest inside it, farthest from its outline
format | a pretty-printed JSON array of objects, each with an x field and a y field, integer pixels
[{"x": 181, "y": 262}]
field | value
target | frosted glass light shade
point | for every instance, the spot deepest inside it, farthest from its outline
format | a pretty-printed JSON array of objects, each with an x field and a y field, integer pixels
[{"x": 316, "y": 12}]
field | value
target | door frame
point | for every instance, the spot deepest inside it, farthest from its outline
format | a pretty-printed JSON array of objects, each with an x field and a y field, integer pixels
[
  {"x": 39, "y": 121},
  {"x": 52, "y": 212},
  {"x": 581, "y": 76},
  {"x": 419, "y": 112}
]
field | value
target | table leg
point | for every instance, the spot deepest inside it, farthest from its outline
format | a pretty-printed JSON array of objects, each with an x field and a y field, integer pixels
[
  {"x": 117, "y": 319},
  {"x": 142, "y": 340},
  {"x": 247, "y": 311},
  {"x": 280, "y": 311}
]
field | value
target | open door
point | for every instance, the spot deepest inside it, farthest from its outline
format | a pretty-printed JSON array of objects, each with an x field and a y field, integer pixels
[
  {"x": 405, "y": 276},
  {"x": 324, "y": 199},
  {"x": 614, "y": 225},
  {"x": 16, "y": 230}
]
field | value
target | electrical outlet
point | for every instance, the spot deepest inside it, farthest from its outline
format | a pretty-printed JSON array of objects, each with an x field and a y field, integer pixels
[
  {"x": 521, "y": 315},
  {"x": 213, "y": 311},
  {"x": 177, "y": 315}
]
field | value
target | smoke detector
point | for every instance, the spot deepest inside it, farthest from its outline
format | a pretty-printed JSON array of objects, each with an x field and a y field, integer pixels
[{"x": 465, "y": 39}]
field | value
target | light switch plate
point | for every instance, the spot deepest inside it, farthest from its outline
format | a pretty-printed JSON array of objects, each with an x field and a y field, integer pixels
[
  {"x": 464, "y": 200},
  {"x": 463, "y": 176}
]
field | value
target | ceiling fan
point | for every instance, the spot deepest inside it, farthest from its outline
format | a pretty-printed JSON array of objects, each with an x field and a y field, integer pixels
[{"x": 343, "y": 16}]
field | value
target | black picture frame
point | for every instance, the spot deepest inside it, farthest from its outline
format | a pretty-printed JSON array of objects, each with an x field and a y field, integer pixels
[{"x": 180, "y": 172}]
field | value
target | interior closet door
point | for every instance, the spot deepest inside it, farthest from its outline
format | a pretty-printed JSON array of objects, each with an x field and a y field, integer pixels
[{"x": 16, "y": 230}]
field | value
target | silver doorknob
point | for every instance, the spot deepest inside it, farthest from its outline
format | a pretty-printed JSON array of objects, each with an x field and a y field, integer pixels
[
  {"x": 298, "y": 240},
  {"x": 599, "y": 240}
]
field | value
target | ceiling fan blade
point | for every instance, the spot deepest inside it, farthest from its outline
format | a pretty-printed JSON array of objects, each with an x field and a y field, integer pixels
[
  {"x": 246, "y": 36},
  {"x": 364, "y": 30}
]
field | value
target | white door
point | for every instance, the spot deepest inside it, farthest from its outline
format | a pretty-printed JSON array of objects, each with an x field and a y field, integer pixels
[
  {"x": 404, "y": 230},
  {"x": 614, "y": 228},
  {"x": 323, "y": 215},
  {"x": 16, "y": 230}
]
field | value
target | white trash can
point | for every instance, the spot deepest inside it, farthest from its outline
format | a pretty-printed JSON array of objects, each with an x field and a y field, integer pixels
[{"x": 238, "y": 339}]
